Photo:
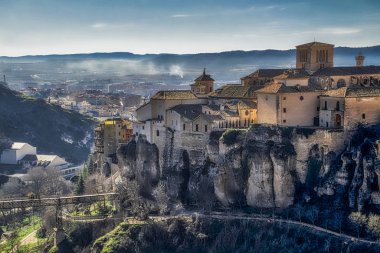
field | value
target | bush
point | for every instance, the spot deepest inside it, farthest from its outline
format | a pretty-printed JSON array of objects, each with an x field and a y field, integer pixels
[{"x": 230, "y": 136}]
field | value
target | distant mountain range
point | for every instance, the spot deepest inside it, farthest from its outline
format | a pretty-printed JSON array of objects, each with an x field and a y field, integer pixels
[{"x": 223, "y": 66}]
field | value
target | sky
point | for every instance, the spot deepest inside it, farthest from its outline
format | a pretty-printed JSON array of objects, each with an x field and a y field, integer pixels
[{"x": 35, "y": 27}]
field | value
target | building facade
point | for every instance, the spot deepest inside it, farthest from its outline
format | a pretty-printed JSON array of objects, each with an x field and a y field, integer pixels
[{"x": 314, "y": 55}]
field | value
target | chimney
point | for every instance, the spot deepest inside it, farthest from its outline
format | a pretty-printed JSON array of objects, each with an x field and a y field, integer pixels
[{"x": 359, "y": 60}]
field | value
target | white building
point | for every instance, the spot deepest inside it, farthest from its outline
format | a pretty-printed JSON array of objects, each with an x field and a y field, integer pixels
[{"x": 17, "y": 152}]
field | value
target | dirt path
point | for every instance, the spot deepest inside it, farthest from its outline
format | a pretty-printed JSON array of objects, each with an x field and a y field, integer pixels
[{"x": 31, "y": 238}]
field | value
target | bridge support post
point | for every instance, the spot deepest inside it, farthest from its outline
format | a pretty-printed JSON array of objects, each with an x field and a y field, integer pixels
[
  {"x": 59, "y": 233},
  {"x": 59, "y": 236}
]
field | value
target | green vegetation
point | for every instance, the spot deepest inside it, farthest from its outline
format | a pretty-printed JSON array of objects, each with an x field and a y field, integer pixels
[
  {"x": 214, "y": 235},
  {"x": 15, "y": 235},
  {"x": 231, "y": 136},
  {"x": 305, "y": 131}
]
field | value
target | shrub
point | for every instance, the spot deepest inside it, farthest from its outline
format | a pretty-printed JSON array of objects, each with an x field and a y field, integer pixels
[{"x": 230, "y": 136}]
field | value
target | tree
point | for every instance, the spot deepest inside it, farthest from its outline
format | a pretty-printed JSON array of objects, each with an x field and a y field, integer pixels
[
  {"x": 47, "y": 182},
  {"x": 162, "y": 199},
  {"x": 90, "y": 165},
  {"x": 80, "y": 186},
  {"x": 13, "y": 188},
  {"x": 138, "y": 205},
  {"x": 312, "y": 214}
]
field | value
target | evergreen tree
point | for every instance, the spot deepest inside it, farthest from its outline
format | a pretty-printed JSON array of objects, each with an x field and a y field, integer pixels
[
  {"x": 90, "y": 165},
  {"x": 80, "y": 186}
]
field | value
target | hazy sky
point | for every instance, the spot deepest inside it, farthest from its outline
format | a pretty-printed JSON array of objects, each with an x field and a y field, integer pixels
[{"x": 181, "y": 26}]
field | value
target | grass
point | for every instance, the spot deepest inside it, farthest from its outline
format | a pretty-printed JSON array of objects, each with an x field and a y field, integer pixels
[
  {"x": 95, "y": 210},
  {"x": 28, "y": 225}
]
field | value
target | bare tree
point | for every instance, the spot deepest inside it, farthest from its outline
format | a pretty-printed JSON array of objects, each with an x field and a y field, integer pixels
[
  {"x": 95, "y": 183},
  {"x": 161, "y": 197},
  {"x": 312, "y": 214},
  {"x": 13, "y": 188},
  {"x": 133, "y": 200},
  {"x": 47, "y": 182}
]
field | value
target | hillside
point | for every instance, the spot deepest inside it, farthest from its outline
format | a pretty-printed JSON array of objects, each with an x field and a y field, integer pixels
[{"x": 48, "y": 127}]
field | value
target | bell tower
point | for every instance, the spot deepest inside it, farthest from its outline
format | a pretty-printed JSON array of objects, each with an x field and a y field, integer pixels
[{"x": 359, "y": 60}]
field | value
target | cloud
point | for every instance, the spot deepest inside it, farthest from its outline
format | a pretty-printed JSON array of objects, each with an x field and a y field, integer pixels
[
  {"x": 107, "y": 26},
  {"x": 339, "y": 30},
  {"x": 97, "y": 26},
  {"x": 181, "y": 16}
]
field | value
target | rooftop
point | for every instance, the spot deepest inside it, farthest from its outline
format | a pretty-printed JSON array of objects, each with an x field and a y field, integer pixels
[
  {"x": 174, "y": 94},
  {"x": 204, "y": 77},
  {"x": 282, "y": 88},
  {"x": 293, "y": 74},
  {"x": 18, "y": 145},
  {"x": 354, "y": 92},
  {"x": 346, "y": 71},
  {"x": 188, "y": 111},
  {"x": 269, "y": 73},
  {"x": 234, "y": 91},
  {"x": 315, "y": 43}
]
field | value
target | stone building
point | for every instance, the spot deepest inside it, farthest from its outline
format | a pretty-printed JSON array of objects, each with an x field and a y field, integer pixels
[
  {"x": 337, "y": 77},
  {"x": 314, "y": 55},
  {"x": 261, "y": 77},
  {"x": 283, "y": 105},
  {"x": 164, "y": 100},
  {"x": 293, "y": 77},
  {"x": 203, "y": 85},
  {"x": 347, "y": 107}
]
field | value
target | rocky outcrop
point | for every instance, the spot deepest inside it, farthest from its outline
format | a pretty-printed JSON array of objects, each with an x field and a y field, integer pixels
[
  {"x": 138, "y": 160},
  {"x": 266, "y": 166}
]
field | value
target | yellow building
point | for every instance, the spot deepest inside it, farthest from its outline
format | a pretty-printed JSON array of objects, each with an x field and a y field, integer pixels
[{"x": 110, "y": 133}]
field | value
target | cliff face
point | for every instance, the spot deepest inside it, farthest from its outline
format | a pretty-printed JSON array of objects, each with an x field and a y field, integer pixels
[{"x": 265, "y": 166}]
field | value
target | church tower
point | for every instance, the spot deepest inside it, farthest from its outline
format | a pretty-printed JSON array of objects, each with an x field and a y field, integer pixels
[
  {"x": 314, "y": 55},
  {"x": 359, "y": 60},
  {"x": 203, "y": 85}
]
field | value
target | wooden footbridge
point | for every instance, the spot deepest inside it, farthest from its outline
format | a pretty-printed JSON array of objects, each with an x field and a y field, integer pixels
[{"x": 58, "y": 201}]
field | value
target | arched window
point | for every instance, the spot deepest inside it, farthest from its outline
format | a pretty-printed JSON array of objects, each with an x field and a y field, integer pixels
[
  {"x": 337, "y": 105},
  {"x": 246, "y": 113},
  {"x": 341, "y": 83},
  {"x": 325, "y": 108}
]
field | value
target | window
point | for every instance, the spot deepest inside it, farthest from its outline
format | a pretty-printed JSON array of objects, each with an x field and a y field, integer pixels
[
  {"x": 143, "y": 127},
  {"x": 196, "y": 128},
  {"x": 184, "y": 127},
  {"x": 284, "y": 110},
  {"x": 325, "y": 105},
  {"x": 158, "y": 133},
  {"x": 301, "y": 98},
  {"x": 337, "y": 105},
  {"x": 284, "y": 121},
  {"x": 205, "y": 128},
  {"x": 246, "y": 113},
  {"x": 318, "y": 108},
  {"x": 363, "y": 116},
  {"x": 284, "y": 98}
]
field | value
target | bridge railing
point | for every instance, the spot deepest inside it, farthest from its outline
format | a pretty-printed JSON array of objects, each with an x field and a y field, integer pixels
[{"x": 56, "y": 201}]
